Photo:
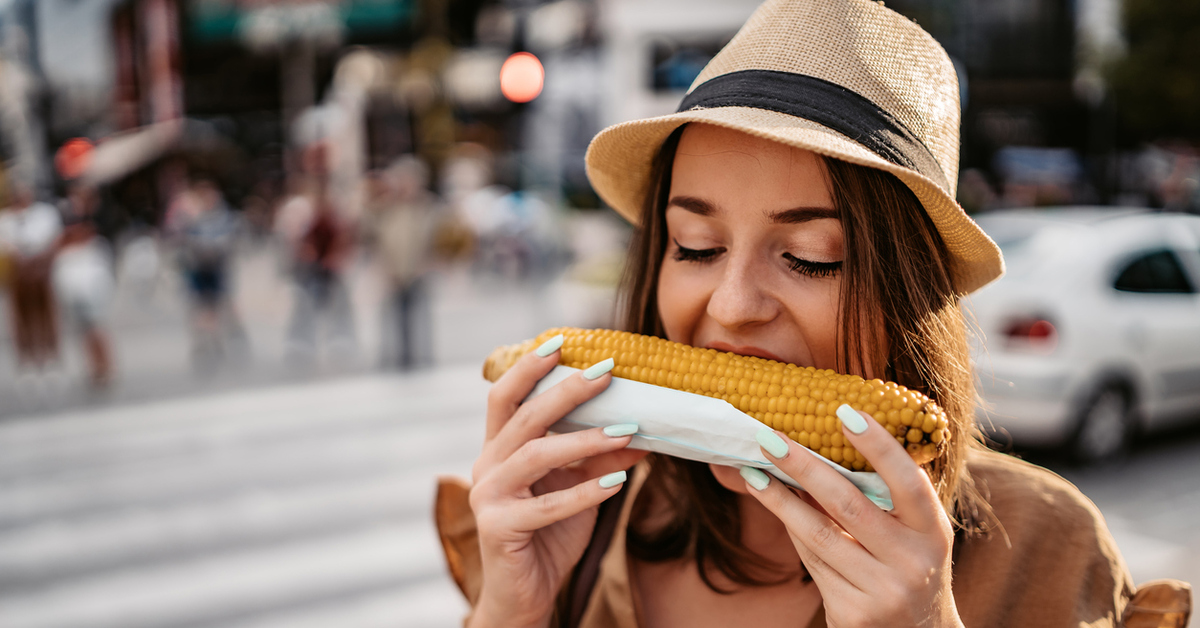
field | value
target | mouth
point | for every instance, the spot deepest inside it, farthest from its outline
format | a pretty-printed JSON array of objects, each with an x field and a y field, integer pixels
[{"x": 745, "y": 350}]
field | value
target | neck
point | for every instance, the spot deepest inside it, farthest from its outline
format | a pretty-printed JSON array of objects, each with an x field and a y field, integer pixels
[{"x": 765, "y": 534}]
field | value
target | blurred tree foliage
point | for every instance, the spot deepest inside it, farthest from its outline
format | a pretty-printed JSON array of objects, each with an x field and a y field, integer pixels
[{"x": 1157, "y": 85}]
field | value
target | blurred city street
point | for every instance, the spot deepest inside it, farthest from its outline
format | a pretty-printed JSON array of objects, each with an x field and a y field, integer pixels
[
  {"x": 298, "y": 503},
  {"x": 253, "y": 254}
]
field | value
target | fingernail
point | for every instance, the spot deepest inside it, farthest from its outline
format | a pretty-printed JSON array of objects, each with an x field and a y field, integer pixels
[
  {"x": 621, "y": 429},
  {"x": 771, "y": 442},
  {"x": 852, "y": 419},
  {"x": 599, "y": 368},
  {"x": 550, "y": 346},
  {"x": 612, "y": 479},
  {"x": 755, "y": 478}
]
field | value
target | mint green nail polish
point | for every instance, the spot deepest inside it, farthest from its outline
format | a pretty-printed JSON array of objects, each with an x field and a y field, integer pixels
[
  {"x": 852, "y": 419},
  {"x": 621, "y": 429},
  {"x": 771, "y": 442},
  {"x": 755, "y": 478},
  {"x": 599, "y": 368},
  {"x": 550, "y": 346},
  {"x": 612, "y": 479}
]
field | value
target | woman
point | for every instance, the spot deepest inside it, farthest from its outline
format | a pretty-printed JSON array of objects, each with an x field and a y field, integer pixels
[{"x": 798, "y": 208}]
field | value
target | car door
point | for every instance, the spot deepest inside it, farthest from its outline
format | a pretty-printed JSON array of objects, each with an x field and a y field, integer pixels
[{"x": 1158, "y": 298}]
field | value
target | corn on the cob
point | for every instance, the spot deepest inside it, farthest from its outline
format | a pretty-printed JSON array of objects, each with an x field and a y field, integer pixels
[{"x": 799, "y": 401}]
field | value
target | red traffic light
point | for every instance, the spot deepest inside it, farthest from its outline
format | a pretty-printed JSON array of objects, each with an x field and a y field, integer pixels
[
  {"x": 521, "y": 77},
  {"x": 73, "y": 157}
]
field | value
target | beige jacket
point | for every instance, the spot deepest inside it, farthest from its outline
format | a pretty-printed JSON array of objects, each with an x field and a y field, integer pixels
[{"x": 1053, "y": 564}]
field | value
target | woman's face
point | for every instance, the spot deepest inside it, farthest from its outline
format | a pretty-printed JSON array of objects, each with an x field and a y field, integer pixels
[
  {"x": 754, "y": 249},
  {"x": 754, "y": 253}
]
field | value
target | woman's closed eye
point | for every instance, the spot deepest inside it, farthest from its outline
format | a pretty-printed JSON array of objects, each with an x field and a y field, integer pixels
[
  {"x": 695, "y": 255},
  {"x": 811, "y": 268}
]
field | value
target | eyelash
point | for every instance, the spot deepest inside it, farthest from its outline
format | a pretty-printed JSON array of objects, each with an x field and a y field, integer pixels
[
  {"x": 812, "y": 269},
  {"x": 695, "y": 255},
  {"x": 802, "y": 266}
]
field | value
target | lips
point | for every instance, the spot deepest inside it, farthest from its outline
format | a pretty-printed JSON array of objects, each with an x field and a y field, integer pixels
[{"x": 744, "y": 350}]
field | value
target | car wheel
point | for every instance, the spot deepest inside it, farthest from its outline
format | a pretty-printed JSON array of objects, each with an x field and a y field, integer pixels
[{"x": 1106, "y": 426}]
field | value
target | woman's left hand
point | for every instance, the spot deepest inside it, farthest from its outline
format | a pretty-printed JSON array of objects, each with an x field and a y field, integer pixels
[{"x": 873, "y": 568}]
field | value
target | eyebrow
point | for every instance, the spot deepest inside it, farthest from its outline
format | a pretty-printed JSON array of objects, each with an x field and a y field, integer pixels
[
  {"x": 793, "y": 216},
  {"x": 797, "y": 215},
  {"x": 697, "y": 206}
]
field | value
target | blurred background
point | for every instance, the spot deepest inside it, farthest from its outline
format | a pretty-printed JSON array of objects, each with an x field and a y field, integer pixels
[{"x": 253, "y": 253}]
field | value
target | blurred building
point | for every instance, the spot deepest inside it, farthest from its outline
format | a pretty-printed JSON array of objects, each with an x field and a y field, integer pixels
[
  {"x": 263, "y": 75},
  {"x": 1031, "y": 73},
  {"x": 605, "y": 61},
  {"x": 22, "y": 132}
]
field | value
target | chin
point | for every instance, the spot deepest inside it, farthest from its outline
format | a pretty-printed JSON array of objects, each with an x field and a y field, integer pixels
[{"x": 730, "y": 478}]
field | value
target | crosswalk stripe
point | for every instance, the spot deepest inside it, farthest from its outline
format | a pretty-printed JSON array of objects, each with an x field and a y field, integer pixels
[
  {"x": 55, "y": 549},
  {"x": 242, "y": 468},
  {"x": 437, "y": 604},
  {"x": 209, "y": 588},
  {"x": 163, "y": 428}
]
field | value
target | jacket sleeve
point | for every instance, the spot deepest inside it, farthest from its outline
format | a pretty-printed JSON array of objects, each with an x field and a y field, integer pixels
[
  {"x": 1160, "y": 604},
  {"x": 1051, "y": 562},
  {"x": 459, "y": 535}
]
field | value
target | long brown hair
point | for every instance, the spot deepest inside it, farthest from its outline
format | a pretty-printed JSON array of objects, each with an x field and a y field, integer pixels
[{"x": 896, "y": 265}]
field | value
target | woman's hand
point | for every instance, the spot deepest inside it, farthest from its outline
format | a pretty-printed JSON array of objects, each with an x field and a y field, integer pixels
[
  {"x": 873, "y": 568},
  {"x": 535, "y": 496}
]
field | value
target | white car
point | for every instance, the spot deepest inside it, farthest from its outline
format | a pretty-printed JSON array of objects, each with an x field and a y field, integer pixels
[{"x": 1093, "y": 335}]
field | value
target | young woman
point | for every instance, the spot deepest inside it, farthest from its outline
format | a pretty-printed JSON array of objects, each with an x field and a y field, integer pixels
[{"x": 800, "y": 208}]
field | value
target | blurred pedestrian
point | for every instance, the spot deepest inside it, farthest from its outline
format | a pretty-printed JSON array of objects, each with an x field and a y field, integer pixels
[
  {"x": 204, "y": 228},
  {"x": 321, "y": 243},
  {"x": 83, "y": 278},
  {"x": 29, "y": 230},
  {"x": 406, "y": 215}
]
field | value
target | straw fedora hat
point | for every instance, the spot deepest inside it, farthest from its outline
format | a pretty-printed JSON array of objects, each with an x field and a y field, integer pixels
[{"x": 848, "y": 79}]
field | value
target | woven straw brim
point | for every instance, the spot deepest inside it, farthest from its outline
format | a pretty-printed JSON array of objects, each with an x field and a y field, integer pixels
[{"x": 619, "y": 162}]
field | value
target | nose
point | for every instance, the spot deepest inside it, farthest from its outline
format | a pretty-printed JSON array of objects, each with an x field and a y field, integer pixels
[{"x": 741, "y": 299}]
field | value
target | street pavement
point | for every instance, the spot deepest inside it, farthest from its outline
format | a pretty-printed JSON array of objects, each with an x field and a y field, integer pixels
[{"x": 302, "y": 505}]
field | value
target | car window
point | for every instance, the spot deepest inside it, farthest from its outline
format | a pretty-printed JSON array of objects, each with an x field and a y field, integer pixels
[{"x": 1155, "y": 271}]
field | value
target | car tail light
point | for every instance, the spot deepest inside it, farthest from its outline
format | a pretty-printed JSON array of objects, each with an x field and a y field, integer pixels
[{"x": 1031, "y": 332}]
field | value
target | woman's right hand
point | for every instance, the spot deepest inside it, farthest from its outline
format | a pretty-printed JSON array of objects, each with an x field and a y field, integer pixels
[{"x": 535, "y": 496}]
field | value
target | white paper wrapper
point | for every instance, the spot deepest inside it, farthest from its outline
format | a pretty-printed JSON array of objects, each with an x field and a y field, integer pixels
[{"x": 689, "y": 426}]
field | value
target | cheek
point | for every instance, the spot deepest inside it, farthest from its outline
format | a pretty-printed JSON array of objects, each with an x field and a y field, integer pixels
[
  {"x": 729, "y": 478},
  {"x": 827, "y": 321},
  {"x": 681, "y": 300},
  {"x": 813, "y": 314}
]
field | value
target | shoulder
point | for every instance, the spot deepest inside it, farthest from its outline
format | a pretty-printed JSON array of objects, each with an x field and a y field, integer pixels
[
  {"x": 1049, "y": 560},
  {"x": 1039, "y": 512},
  {"x": 1020, "y": 491}
]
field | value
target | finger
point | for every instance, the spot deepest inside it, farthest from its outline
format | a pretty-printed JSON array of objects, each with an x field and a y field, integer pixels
[
  {"x": 540, "y": 456},
  {"x": 604, "y": 464},
  {"x": 535, "y": 416},
  {"x": 538, "y": 512},
  {"x": 826, "y": 549},
  {"x": 593, "y": 467},
  {"x": 843, "y": 502},
  {"x": 514, "y": 386},
  {"x": 913, "y": 496}
]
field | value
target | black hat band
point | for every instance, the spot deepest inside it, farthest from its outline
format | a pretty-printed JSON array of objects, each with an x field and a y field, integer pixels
[{"x": 825, "y": 103}]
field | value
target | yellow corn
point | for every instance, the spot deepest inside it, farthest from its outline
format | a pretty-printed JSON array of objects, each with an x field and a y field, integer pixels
[{"x": 799, "y": 401}]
